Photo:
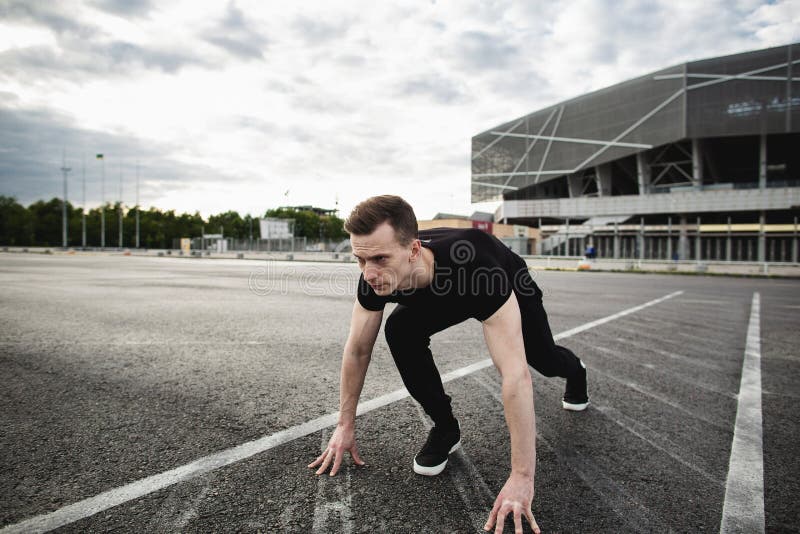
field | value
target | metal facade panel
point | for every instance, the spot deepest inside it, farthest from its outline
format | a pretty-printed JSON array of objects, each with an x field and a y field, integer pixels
[
  {"x": 764, "y": 101},
  {"x": 697, "y": 99},
  {"x": 577, "y": 134}
]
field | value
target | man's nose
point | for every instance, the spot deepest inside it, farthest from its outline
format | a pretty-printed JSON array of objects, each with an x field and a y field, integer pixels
[{"x": 370, "y": 274}]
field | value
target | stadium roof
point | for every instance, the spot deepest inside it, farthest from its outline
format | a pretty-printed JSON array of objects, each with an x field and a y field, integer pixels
[{"x": 743, "y": 94}]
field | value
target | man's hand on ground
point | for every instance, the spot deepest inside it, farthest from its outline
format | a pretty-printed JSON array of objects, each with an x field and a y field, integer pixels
[
  {"x": 343, "y": 439},
  {"x": 515, "y": 497}
]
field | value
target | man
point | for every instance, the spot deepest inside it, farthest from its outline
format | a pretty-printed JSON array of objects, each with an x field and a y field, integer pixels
[{"x": 439, "y": 278}]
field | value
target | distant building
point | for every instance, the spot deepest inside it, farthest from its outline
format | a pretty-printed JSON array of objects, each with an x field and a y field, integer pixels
[
  {"x": 520, "y": 238},
  {"x": 699, "y": 160}
]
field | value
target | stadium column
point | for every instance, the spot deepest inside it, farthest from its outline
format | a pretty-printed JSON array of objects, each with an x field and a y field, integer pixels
[
  {"x": 640, "y": 237},
  {"x": 698, "y": 249},
  {"x": 762, "y": 239},
  {"x": 728, "y": 248},
  {"x": 574, "y": 181},
  {"x": 669, "y": 238},
  {"x": 683, "y": 240},
  {"x": 697, "y": 162},
  {"x": 643, "y": 173},
  {"x": 603, "y": 177},
  {"x": 762, "y": 161},
  {"x": 794, "y": 242}
]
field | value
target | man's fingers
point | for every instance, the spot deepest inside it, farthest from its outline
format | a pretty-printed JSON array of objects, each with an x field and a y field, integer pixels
[
  {"x": 501, "y": 520},
  {"x": 517, "y": 520},
  {"x": 532, "y": 521},
  {"x": 492, "y": 517},
  {"x": 356, "y": 457},
  {"x": 337, "y": 462},
  {"x": 329, "y": 454},
  {"x": 318, "y": 461}
]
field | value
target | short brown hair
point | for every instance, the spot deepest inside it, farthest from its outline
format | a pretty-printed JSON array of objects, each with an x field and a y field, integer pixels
[{"x": 371, "y": 213}]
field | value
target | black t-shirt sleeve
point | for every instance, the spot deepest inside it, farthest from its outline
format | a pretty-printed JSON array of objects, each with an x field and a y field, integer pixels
[{"x": 367, "y": 296}]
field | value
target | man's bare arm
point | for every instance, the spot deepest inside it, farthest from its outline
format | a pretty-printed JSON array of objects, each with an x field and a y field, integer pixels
[
  {"x": 503, "y": 334},
  {"x": 364, "y": 327}
]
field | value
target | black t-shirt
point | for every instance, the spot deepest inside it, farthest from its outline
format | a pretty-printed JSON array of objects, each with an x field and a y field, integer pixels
[{"x": 474, "y": 274}]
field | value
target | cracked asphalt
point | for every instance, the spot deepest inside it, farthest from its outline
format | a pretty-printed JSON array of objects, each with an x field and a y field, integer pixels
[{"x": 116, "y": 368}]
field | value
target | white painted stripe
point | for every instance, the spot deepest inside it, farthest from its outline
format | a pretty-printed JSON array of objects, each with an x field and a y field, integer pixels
[
  {"x": 587, "y": 326},
  {"x": 743, "y": 508},
  {"x": 134, "y": 490},
  {"x": 334, "y": 501}
]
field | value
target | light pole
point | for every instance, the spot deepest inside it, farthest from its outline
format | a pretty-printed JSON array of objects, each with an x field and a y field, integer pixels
[
  {"x": 83, "y": 218},
  {"x": 103, "y": 204},
  {"x": 65, "y": 170},
  {"x": 137, "y": 204},
  {"x": 120, "y": 205}
]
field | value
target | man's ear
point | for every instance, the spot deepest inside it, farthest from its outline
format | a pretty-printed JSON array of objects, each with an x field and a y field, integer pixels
[{"x": 416, "y": 249}]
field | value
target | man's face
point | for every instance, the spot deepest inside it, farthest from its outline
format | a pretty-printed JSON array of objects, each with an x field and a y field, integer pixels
[{"x": 387, "y": 265}]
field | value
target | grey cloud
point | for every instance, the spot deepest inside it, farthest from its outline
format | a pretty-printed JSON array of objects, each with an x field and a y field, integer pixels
[
  {"x": 235, "y": 35},
  {"x": 316, "y": 32},
  {"x": 48, "y": 14},
  {"x": 441, "y": 90},
  {"x": 122, "y": 53},
  {"x": 258, "y": 125},
  {"x": 79, "y": 58},
  {"x": 320, "y": 103},
  {"x": 481, "y": 50},
  {"x": 32, "y": 141},
  {"x": 522, "y": 82},
  {"x": 351, "y": 60},
  {"x": 130, "y": 8}
]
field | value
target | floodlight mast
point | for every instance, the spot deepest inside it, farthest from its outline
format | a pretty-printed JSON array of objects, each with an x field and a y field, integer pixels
[
  {"x": 120, "y": 205},
  {"x": 102, "y": 159},
  {"x": 137, "y": 204},
  {"x": 65, "y": 170},
  {"x": 83, "y": 218}
]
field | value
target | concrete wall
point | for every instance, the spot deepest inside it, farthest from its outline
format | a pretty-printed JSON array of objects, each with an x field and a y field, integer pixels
[{"x": 676, "y": 202}]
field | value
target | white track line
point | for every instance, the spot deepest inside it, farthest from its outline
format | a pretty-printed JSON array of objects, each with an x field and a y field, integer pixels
[
  {"x": 743, "y": 509},
  {"x": 333, "y": 499},
  {"x": 134, "y": 490}
]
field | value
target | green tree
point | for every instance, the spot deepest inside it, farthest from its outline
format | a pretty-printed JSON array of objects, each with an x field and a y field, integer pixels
[
  {"x": 16, "y": 223},
  {"x": 47, "y": 222},
  {"x": 231, "y": 223}
]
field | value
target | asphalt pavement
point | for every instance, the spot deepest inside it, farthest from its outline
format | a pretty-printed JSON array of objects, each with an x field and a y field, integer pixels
[{"x": 144, "y": 394}]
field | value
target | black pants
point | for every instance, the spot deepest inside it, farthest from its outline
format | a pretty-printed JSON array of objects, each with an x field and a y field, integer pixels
[{"x": 408, "y": 333}]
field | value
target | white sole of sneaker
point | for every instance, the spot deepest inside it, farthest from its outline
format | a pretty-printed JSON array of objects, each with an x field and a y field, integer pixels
[
  {"x": 574, "y": 407},
  {"x": 430, "y": 471}
]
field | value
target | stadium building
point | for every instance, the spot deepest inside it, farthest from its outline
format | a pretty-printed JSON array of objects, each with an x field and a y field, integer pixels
[{"x": 698, "y": 161}]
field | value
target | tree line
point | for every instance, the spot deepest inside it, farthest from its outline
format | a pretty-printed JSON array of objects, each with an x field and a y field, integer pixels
[{"x": 39, "y": 225}]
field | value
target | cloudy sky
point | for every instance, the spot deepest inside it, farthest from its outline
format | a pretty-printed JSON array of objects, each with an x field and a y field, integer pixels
[{"x": 249, "y": 105}]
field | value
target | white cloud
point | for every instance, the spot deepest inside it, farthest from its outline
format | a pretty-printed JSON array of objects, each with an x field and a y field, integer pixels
[{"x": 335, "y": 99}]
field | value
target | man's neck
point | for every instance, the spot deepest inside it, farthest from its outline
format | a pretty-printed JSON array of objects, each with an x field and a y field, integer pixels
[{"x": 427, "y": 259}]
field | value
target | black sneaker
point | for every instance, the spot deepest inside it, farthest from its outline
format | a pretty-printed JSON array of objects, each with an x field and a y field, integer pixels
[
  {"x": 432, "y": 458},
  {"x": 576, "y": 398}
]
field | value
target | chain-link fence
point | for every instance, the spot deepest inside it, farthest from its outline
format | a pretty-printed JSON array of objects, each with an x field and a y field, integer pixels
[{"x": 291, "y": 244}]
